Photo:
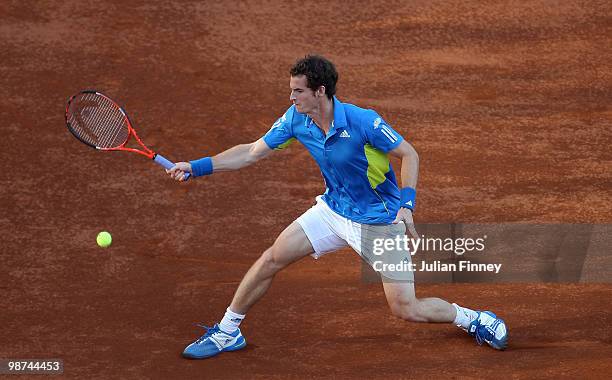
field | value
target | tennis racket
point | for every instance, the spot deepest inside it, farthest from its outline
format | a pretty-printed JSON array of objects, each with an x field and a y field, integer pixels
[{"x": 99, "y": 122}]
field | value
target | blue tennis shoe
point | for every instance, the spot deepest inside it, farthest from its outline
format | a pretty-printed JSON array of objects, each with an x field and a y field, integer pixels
[
  {"x": 489, "y": 329},
  {"x": 214, "y": 342}
]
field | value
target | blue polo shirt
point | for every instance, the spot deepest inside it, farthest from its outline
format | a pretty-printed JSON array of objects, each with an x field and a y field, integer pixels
[{"x": 353, "y": 158}]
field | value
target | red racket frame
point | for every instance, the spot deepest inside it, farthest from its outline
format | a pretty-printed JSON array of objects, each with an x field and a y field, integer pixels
[{"x": 157, "y": 158}]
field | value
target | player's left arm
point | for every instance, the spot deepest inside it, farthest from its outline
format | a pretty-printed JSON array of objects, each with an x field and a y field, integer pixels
[
  {"x": 410, "y": 175},
  {"x": 384, "y": 138}
]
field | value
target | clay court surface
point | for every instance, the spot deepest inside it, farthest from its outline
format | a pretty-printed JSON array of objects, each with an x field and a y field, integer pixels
[{"x": 507, "y": 103}]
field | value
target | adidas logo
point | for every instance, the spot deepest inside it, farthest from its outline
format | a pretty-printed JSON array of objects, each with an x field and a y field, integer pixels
[
  {"x": 344, "y": 134},
  {"x": 409, "y": 203}
]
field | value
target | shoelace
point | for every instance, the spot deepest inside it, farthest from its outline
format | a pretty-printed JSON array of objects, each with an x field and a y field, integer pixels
[{"x": 209, "y": 331}]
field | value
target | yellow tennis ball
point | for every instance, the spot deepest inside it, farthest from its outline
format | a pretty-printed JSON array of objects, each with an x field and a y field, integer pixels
[{"x": 104, "y": 239}]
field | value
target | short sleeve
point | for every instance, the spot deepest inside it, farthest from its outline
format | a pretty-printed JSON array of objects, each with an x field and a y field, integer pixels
[
  {"x": 379, "y": 134},
  {"x": 281, "y": 132}
]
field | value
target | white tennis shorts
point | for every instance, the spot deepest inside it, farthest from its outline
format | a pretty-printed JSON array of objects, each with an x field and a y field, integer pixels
[{"x": 329, "y": 231}]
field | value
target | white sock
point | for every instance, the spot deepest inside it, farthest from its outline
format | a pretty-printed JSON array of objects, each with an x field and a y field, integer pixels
[
  {"x": 231, "y": 321},
  {"x": 464, "y": 316}
]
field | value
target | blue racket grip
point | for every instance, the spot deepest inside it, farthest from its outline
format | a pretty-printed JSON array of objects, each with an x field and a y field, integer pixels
[{"x": 167, "y": 164}]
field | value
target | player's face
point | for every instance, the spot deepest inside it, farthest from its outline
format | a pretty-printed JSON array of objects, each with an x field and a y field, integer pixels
[{"x": 302, "y": 96}]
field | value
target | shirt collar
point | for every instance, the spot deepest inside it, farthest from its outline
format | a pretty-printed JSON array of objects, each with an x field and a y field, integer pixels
[
  {"x": 339, "y": 114},
  {"x": 339, "y": 120}
]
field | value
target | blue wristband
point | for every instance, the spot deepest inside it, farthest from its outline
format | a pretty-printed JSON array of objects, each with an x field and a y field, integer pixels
[
  {"x": 203, "y": 166},
  {"x": 408, "y": 198}
]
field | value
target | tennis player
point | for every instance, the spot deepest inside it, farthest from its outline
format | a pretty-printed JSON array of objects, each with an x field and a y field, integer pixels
[{"x": 362, "y": 202}]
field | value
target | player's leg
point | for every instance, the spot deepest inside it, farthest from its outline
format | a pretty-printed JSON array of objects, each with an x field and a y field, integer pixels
[
  {"x": 399, "y": 287},
  {"x": 399, "y": 284},
  {"x": 484, "y": 326},
  {"x": 404, "y": 304},
  {"x": 309, "y": 234},
  {"x": 291, "y": 245}
]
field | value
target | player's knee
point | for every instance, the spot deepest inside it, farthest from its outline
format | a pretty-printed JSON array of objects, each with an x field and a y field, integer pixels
[
  {"x": 272, "y": 260},
  {"x": 407, "y": 310}
]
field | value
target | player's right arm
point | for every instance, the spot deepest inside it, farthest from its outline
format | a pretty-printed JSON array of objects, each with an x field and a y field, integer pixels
[
  {"x": 234, "y": 158},
  {"x": 277, "y": 138},
  {"x": 240, "y": 156}
]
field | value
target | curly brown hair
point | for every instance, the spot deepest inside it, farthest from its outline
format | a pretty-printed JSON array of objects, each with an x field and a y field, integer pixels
[{"x": 319, "y": 71}]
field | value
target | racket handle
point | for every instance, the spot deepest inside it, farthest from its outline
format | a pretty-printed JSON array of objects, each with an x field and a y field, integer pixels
[{"x": 167, "y": 164}]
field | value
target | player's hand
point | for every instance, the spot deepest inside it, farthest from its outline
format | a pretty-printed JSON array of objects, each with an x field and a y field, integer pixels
[
  {"x": 178, "y": 171},
  {"x": 405, "y": 215}
]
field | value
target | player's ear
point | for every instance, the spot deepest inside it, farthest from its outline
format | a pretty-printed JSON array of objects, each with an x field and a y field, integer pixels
[{"x": 320, "y": 91}]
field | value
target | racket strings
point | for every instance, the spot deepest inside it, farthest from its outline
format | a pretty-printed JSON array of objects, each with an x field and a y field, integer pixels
[
  {"x": 98, "y": 121},
  {"x": 110, "y": 127},
  {"x": 110, "y": 120}
]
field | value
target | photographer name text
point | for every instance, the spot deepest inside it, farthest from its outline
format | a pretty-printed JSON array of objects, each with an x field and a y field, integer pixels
[{"x": 437, "y": 266}]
